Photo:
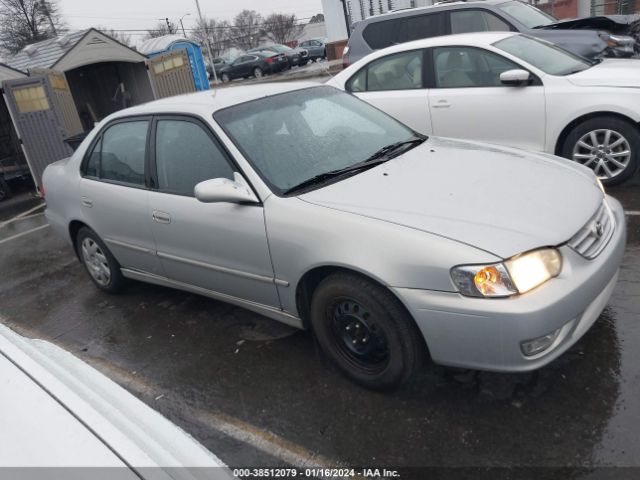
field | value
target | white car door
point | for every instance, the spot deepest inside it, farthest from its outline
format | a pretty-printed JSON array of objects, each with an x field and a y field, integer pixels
[
  {"x": 469, "y": 101},
  {"x": 395, "y": 85},
  {"x": 220, "y": 247}
]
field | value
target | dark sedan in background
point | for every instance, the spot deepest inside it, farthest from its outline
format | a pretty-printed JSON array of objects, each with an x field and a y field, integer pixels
[
  {"x": 256, "y": 64},
  {"x": 296, "y": 57}
]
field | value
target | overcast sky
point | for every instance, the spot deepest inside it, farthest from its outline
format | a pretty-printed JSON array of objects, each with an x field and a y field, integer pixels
[{"x": 144, "y": 14}]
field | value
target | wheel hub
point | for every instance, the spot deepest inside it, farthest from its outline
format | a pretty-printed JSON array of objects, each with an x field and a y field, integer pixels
[
  {"x": 358, "y": 336},
  {"x": 606, "y": 152}
]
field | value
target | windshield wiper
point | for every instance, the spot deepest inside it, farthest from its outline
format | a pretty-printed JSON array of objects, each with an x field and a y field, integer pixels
[
  {"x": 388, "y": 151},
  {"x": 383, "y": 155}
]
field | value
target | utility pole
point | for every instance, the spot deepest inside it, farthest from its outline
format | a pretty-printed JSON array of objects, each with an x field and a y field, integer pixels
[{"x": 206, "y": 33}]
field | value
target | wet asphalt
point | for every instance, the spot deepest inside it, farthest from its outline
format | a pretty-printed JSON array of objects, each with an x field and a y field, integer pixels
[{"x": 197, "y": 360}]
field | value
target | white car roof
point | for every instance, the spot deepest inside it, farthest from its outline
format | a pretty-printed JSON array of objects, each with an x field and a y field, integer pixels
[{"x": 209, "y": 101}]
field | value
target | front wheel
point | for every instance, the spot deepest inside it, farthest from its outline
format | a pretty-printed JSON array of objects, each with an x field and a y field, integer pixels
[
  {"x": 608, "y": 145},
  {"x": 101, "y": 265},
  {"x": 365, "y": 331},
  {"x": 257, "y": 72}
]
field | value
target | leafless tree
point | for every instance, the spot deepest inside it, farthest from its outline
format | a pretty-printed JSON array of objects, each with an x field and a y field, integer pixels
[
  {"x": 282, "y": 28},
  {"x": 246, "y": 31},
  {"x": 218, "y": 33},
  {"x": 23, "y": 22},
  {"x": 120, "y": 36},
  {"x": 162, "y": 29}
]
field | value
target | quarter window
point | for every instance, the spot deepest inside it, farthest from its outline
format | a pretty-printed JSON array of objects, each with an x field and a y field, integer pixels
[
  {"x": 119, "y": 155},
  {"x": 460, "y": 67},
  {"x": 465, "y": 21},
  {"x": 187, "y": 155}
]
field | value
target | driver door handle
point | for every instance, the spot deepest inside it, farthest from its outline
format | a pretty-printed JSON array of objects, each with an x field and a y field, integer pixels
[
  {"x": 161, "y": 217},
  {"x": 442, "y": 104}
]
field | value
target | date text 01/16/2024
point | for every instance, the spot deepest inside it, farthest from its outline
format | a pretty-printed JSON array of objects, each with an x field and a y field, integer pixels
[{"x": 372, "y": 473}]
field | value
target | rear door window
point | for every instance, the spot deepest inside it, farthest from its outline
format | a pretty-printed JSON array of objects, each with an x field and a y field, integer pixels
[
  {"x": 424, "y": 26},
  {"x": 400, "y": 71},
  {"x": 120, "y": 153}
]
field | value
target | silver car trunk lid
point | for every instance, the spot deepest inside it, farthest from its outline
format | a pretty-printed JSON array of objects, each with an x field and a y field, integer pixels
[{"x": 504, "y": 201}]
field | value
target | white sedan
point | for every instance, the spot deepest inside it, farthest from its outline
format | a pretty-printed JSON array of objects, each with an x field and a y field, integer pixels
[{"x": 509, "y": 89}]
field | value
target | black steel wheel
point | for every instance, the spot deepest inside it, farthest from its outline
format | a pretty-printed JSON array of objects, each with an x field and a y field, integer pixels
[{"x": 366, "y": 332}]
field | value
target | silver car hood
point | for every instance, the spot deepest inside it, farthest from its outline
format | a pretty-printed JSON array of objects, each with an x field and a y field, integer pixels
[
  {"x": 501, "y": 200},
  {"x": 611, "y": 72}
]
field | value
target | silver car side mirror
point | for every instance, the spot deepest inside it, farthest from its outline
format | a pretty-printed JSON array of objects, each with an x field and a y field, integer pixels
[
  {"x": 219, "y": 190},
  {"x": 515, "y": 77}
]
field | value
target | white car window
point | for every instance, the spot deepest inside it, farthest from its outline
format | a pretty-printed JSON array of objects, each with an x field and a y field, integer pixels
[
  {"x": 462, "y": 67},
  {"x": 400, "y": 71}
]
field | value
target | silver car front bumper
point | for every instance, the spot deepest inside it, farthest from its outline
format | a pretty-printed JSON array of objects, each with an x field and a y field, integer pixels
[{"x": 486, "y": 334}]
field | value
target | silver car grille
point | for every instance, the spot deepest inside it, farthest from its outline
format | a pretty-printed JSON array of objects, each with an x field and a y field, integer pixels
[{"x": 594, "y": 236}]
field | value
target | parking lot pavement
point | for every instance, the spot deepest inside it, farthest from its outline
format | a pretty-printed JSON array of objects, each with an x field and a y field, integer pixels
[{"x": 258, "y": 393}]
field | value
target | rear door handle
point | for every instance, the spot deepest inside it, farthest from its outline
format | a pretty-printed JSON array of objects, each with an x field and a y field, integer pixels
[
  {"x": 87, "y": 202},
  {"x": 442, "y": 104},
  {"x": 161, "y": 217}
]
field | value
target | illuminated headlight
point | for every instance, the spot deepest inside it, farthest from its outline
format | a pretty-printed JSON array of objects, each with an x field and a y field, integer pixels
[{"x": 514, "y": 276}]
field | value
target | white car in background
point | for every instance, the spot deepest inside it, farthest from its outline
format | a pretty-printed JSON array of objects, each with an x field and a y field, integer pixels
[
  {"x": 509, "y": 89},
  {"x": 59, "y": 414}
]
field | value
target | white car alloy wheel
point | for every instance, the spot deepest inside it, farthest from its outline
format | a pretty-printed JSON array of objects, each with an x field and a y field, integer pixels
[
  {"x": 96, "y": 262},
  {"x": 605, "y": 151}
]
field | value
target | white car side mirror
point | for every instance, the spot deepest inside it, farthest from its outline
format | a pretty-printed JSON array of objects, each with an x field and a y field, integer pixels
[
  {"x": 515, "y": 77},
  {"x": 219, "y": 190}
]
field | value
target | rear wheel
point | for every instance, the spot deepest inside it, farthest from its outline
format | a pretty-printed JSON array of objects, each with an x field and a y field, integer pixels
[
  {"x": 365, "y": 331},
  {"x": 101, "y": 265},
  {"x": 257, "y": 72},
  {"x": 608, "y": 145},
  {"x": 225, "y": 78},
  {"x": 5, "y": 190}
]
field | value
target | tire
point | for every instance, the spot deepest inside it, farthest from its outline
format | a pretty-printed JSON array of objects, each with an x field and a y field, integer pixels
[
  {"x": 97, "y": 259},
  {"x": 258, "y": 73},
  {"x": 600, "y": 158},
  {"x": 366, "y": 332},
  {"x": 225, "y": 78},
  {"x": 5, "y": 190}
]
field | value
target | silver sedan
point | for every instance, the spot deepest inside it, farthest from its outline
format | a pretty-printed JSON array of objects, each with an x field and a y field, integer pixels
[{"x": 307, "y": 205}]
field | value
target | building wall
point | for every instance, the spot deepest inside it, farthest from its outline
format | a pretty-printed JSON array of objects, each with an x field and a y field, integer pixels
[{"x": 361, "y": 9}]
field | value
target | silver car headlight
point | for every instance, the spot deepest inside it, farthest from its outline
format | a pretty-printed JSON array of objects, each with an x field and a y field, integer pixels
[
  {"x": 619, "y": 41},
  {"x": 515, "y": 276}
]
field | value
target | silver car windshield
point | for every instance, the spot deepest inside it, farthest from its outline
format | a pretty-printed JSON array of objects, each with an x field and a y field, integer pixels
[
  {"x": 527, "y": 15},
  {"x": 543, "y": 55},
  {"x": 296, "y": 136}
]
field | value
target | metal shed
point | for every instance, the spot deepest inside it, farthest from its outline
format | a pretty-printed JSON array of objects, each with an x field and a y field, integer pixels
[
  {"x": 160, "y": 46},
  {"x": 76, "y": 80}
]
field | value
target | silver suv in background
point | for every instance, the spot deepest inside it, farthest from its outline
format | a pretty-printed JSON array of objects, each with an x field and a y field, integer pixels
[{"x": 401, "y": 26}]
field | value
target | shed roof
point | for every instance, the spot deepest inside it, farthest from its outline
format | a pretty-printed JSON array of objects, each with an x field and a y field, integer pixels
[
  {"x": 160, "y": 44},
  {"x": 73, "y": 50}
]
